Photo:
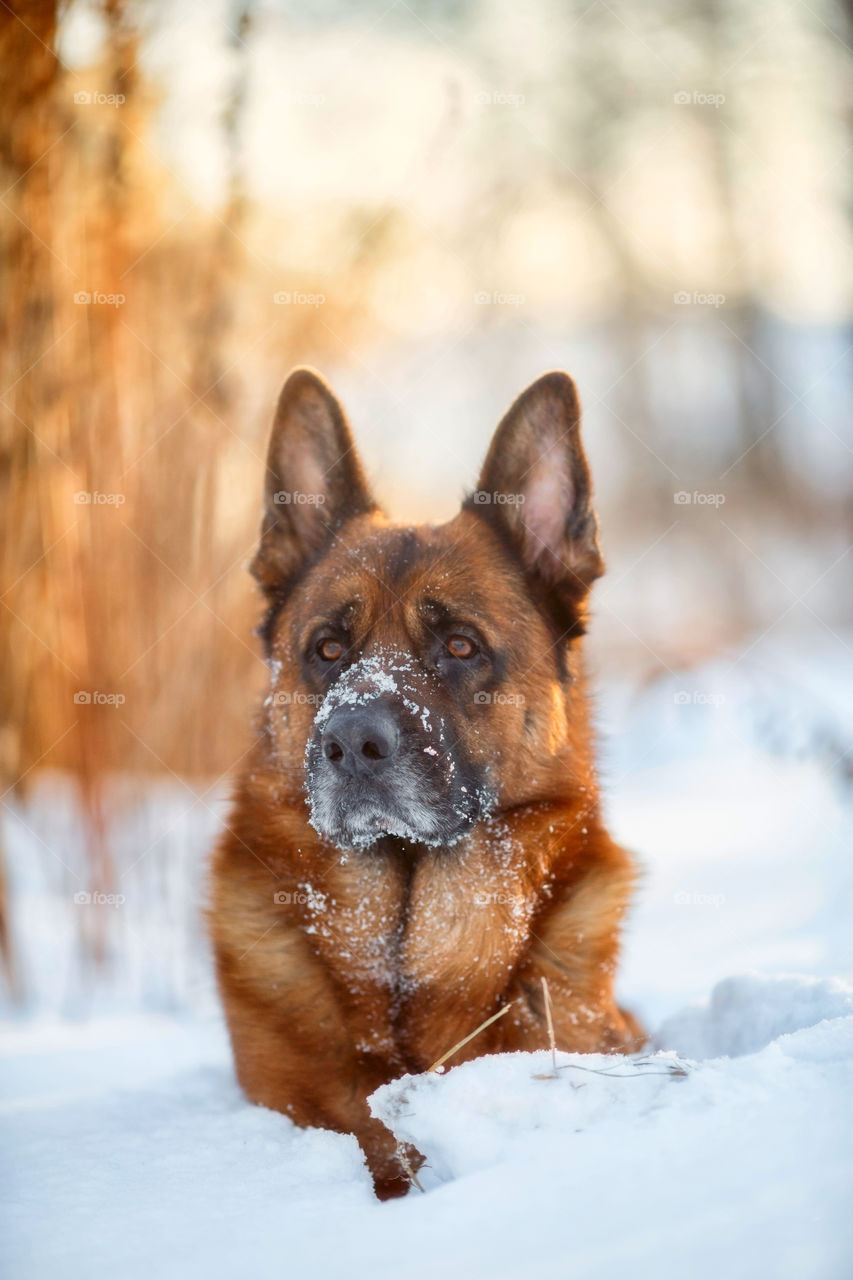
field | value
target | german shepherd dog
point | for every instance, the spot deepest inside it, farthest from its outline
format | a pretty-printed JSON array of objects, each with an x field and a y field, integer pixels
[{"x": 416, "y": 841}]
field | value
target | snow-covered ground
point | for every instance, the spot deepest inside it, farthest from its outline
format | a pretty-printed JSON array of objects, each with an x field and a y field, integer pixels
[{"x": 727, "y": 1150}]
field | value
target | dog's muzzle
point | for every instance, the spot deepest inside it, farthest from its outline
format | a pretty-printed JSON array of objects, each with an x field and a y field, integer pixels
[{"x": 382, "y": 762}]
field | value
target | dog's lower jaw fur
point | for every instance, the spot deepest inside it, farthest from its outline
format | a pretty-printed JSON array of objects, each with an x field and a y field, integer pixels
[{"x": 341, "y": 972}]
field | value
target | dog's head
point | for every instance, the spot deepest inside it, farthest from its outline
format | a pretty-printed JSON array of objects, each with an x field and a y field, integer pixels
[{"x": 424, "y": 678}]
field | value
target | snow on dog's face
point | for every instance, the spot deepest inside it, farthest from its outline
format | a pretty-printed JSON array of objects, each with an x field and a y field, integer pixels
[
  {"x": 385, "y": 756},
  {"x": 423, "y": 677}
]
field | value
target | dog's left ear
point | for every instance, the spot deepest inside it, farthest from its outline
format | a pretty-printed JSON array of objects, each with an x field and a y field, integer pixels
[{"x": 535, "y": 487}]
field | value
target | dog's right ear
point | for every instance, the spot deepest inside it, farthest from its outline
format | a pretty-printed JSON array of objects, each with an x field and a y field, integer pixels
[{"x": 314, "y": 481}]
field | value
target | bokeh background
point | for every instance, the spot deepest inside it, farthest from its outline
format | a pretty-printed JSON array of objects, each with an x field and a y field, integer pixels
[{"x": 433, "y": 203}]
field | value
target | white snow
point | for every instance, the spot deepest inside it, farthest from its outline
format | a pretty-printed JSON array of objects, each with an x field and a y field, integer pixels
[{"x": 726, "y": 1150}]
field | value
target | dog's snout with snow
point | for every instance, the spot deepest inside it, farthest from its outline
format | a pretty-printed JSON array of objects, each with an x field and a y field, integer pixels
[{"x": 384, "y": 760}]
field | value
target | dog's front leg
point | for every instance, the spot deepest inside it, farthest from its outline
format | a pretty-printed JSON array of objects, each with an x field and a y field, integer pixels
[
  {"x": 297, "y": 1051},
  {"x": 308, "y": 992}
]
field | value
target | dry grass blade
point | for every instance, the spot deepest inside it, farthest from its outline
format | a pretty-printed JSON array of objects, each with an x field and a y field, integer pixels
[
  {"x": 408, "y": 1168},
  {"x": 439, "y": 1063},
  {"x": 676, "y": 1071},
  {"x": 551, "y": 1037}
]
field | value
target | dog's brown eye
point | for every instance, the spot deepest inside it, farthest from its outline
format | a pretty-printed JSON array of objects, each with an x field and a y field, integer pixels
[
  {"x": 330, "y": 650},
  {"x": 461, "y": 647}
]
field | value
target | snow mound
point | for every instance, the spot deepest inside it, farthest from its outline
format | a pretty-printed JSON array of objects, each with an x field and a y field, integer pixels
[
  {"x": 480, "y": 1113},
  {"x": 746, "y": 1013},
  {"x": 763, "y": 1086}
]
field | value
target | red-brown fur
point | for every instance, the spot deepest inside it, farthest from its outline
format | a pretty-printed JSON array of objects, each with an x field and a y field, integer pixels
[{"x": 340, "y": 973}]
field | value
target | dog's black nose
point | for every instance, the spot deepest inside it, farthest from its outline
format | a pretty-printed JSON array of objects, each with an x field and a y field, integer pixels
[{"x": 360, "y": 739}]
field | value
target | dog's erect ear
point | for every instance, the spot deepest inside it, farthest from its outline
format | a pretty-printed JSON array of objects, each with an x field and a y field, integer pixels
[
  {"x": 535, "y": 487},
  {"x": 314, "y": 481}
]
